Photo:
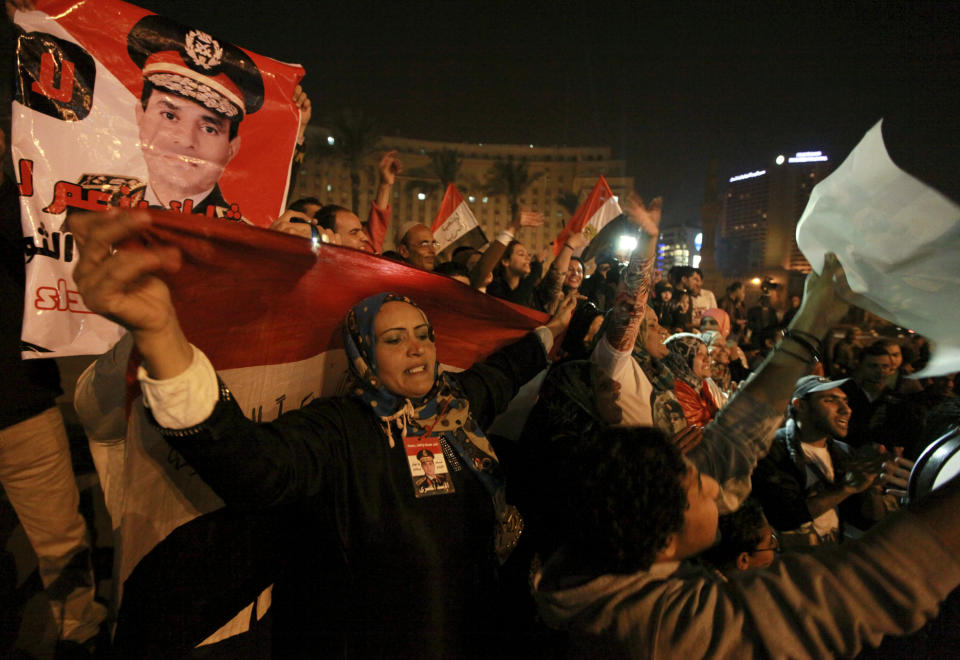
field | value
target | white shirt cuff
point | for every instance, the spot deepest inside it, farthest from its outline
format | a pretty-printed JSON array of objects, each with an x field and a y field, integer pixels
[
  {"x": 184, "y": 400},
  {"x": 546, "y": 337},
  {"x": 505, "y": 237}
]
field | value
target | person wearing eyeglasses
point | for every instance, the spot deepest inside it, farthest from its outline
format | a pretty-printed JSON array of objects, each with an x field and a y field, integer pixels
[
  {"x": 417, "y": 246},
  {"x": 746, "y": 540}
]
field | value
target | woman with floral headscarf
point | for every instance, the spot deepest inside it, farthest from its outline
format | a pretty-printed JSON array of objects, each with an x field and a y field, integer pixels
[
  {"x": 386, "y": 563},
  {"x": 689, "y": 361},
  {"x": 719, "y": 359}
]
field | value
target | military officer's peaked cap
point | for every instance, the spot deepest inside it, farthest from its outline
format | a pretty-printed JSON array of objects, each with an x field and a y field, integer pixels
[{"x": 193, "y": 64}]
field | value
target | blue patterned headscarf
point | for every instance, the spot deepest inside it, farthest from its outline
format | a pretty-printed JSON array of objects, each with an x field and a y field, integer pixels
[
  {"x": 445, "y": 400},
  {"x": 360, "y": 342}
]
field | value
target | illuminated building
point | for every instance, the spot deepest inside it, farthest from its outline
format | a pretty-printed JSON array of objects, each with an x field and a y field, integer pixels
[
  {"x": 417, "y": 197},
  {"x": 678, "y": 246},
  {"x": 756, "y": 232}
]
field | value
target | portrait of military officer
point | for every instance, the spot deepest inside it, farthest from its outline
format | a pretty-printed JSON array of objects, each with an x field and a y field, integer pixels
[
  {"x": 196, "y": 92},
  {"x": 431, "y": 481}
]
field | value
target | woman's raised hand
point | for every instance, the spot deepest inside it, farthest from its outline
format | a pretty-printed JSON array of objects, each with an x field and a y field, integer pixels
[
  {"x": 561, "y": 318},
  {"x": 117, "y": 276}
]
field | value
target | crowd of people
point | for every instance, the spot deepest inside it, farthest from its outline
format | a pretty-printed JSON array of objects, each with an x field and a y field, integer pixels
[
  {"x": 690, "y": 477},
  {"x": 636, "y": 440}
]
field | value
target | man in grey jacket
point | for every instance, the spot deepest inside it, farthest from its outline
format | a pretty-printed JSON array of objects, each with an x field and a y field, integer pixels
[
  {"x": 639, "y": 510},
  {"x": 636, "y": 510}
]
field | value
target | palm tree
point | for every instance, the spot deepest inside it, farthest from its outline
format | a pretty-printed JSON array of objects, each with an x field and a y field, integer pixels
[
  {"x": 570, "y": 201},
  {"x": 355, "y": 137},
  {"x": 444, "y": 167},
  {"x": 510, "y": 178}
]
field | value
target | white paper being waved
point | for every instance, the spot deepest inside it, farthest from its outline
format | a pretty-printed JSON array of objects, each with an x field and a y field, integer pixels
[{"x": 898, "y": 240}]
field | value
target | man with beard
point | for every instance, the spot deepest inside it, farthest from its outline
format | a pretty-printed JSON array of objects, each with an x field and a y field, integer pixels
[
  {"x": 809, "y": 471},
  {"x": 880, "y": 414}
]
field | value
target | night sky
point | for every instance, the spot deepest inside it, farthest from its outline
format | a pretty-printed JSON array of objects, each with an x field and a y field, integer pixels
[{"x": 668, "y": 85}]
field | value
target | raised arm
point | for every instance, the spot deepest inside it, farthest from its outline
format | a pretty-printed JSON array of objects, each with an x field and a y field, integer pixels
[
  {"x": 380, "y": 211},
  {"x": 490, "y": 258},
  {"x": 743, "y": 430},
  {"x": 550, "y": 288},
  {"x": 120, "y": 283},
  {"x": 630, "y": 301},
  {"x": 302, "y": 101},
  {"x": 493, "y": 383},
  {"x": 389, "y": 167},
  {"x": 247, "y": 464}
]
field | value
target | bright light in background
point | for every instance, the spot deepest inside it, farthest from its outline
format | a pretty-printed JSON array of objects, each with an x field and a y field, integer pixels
[
  {"x": 330, "y": 140},
  {"x": 748, "y": 175},
  {"x": 421, "y": 196},
  {"x": 781, "y": 160},
  {"x": 484, "y": 200},
  {"x": 472, "y": 199},
  {"x": 696, "y": 261},
  {"x": 627, "y": 243},
  {"x": 755, "y": 281},
  {"x": 698, "y": 241},
  {"x": 807, "y": 157}
]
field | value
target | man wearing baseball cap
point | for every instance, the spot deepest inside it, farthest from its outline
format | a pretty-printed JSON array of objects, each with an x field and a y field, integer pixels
[
  {"x": 810, "y": 472},
  {"x": 196, "y": 91}
]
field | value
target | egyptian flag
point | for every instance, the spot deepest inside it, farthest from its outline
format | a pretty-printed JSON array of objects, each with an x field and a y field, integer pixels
[
  {"x": 267, "y": 310},
  {"x": 593, "y": 215},
  {"x": 455, "y": 224}
]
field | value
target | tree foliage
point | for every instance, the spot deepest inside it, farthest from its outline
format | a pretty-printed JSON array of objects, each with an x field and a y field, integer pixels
[
  {"x": 442, "y": 170},
  {"x": 356, "y": 135},
  {"x": 570, "y": 201},
  {"x": 510, "y": 178}
]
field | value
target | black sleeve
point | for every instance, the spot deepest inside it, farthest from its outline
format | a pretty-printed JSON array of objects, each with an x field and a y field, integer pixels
[
  {"x": 491, "y": 384},
  {"x": 255, "y": 466},
  {"x": 523, "y": 294},
  {"x": 782, "y": 495}
]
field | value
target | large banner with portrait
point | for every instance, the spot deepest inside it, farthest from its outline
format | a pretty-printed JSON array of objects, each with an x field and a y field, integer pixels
[{"x": 116, "y": 106}]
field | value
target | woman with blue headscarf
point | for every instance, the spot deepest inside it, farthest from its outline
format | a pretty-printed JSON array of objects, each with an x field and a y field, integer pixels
[{"x": 397, "y": 495}]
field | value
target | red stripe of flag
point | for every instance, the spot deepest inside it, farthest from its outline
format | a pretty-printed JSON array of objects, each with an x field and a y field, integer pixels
[{"x": 247, "y": 296}]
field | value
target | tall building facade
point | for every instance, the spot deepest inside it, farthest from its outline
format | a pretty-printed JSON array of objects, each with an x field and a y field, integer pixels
[
  {"x": 417, "y": 195},
  {"x": 679, "y": 246},
  {"x": 756, "y": 233}
]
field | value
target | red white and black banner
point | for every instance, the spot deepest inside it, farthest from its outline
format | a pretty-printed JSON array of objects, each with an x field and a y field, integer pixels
[{"x": 146, "y": 113}]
